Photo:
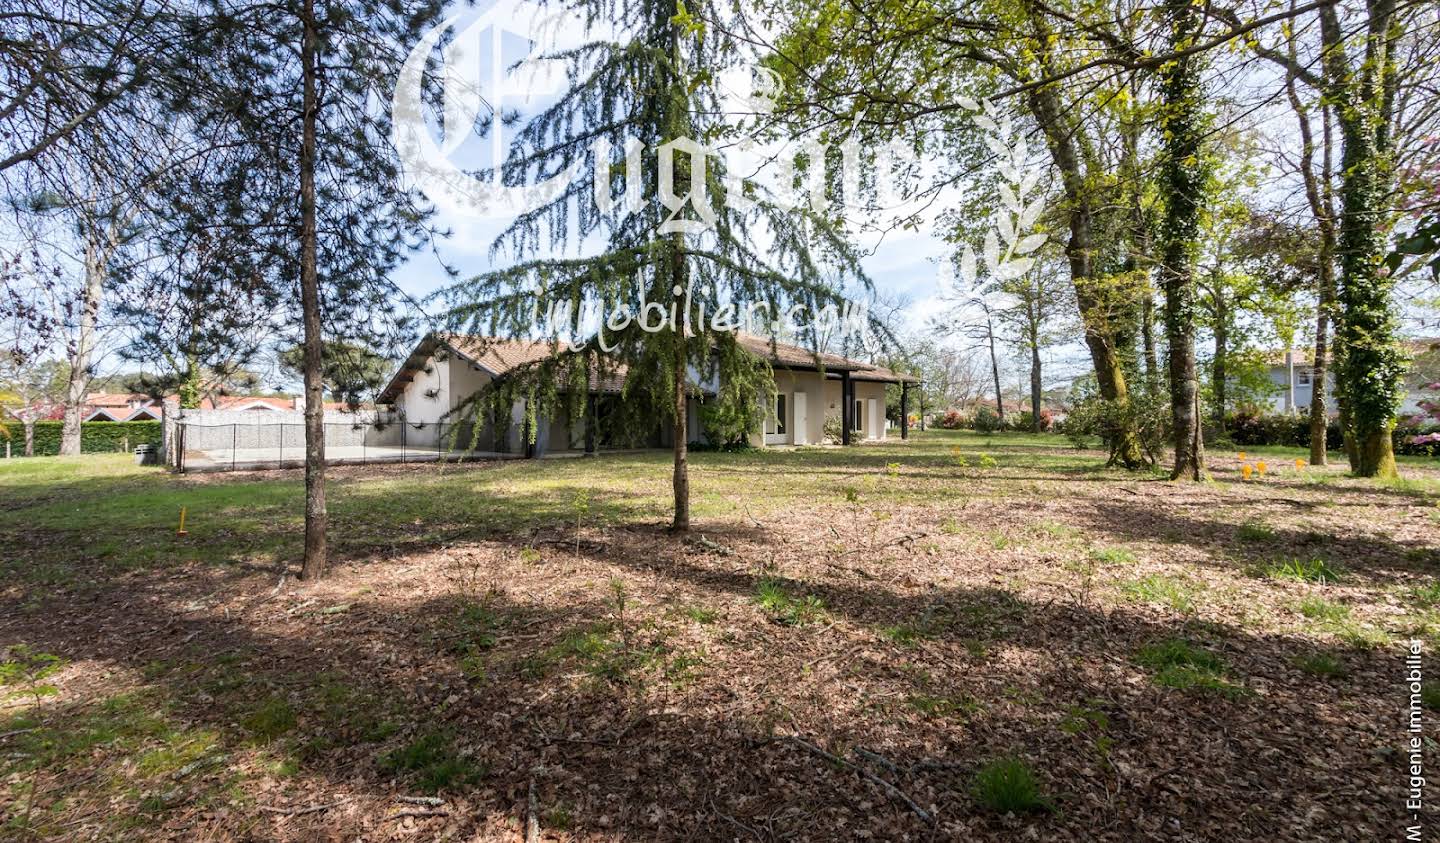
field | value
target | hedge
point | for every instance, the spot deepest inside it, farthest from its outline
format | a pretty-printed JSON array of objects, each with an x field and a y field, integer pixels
[
  {"x": 95, "y": 437},
  {"x": 1294, "y": 430}
]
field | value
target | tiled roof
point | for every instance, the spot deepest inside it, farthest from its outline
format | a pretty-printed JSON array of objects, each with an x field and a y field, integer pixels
[{"x": 500, "y": 356}]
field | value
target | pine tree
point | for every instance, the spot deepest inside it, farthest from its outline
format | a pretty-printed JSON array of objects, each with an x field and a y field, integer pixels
[
  {"x": 655, "y": 86},
  {"x": 295, "y": 83}
]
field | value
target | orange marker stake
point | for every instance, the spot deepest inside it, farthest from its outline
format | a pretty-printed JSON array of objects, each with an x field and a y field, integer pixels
[
  {"x": 1242, "y": 456},
  {"x": 1299, "y": 464},
  {"x": 1260, "y": 467},
  {"x": 1245, "y": 470},
  {"x": 181, "y": 531}
]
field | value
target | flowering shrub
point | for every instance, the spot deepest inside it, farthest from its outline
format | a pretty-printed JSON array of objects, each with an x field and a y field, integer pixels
[
  {"x": 1431, "y": 410},
  {"x": 952, "y": 420}
]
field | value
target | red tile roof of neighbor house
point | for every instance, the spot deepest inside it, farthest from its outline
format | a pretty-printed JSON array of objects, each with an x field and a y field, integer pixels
[
  {"x": 117, "y": 399},
  {"x": 500, "y": 356}
]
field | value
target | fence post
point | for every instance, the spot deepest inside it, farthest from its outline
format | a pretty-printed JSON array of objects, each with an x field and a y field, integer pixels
[{"x": 234, "y": 443}]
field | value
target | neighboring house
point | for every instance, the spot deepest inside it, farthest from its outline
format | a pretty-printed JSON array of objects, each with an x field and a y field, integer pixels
[
  {"x": 1292, "y": 375},
  {"x": 137, "y": 406},
  {"x": 445, "y": 370},
  {"x": 119, "y": 406}
]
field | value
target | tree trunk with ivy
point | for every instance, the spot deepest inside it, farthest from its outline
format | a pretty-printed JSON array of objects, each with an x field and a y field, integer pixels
[
  {"x": 1183, "y": 176},
  {"x": 1370, "y": 366}
]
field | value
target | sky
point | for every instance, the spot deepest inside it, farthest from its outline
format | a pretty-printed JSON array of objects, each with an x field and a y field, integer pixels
[{"x": 903, "y": 264}]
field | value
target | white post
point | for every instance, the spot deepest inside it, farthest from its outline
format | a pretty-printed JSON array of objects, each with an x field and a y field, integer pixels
[{"x": 1289, "y": 380}]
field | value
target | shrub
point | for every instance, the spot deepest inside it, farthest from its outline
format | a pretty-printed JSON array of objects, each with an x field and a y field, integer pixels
[
  {"x": 1026, "y": 421},
  {"x": 1092, "y": 416},
  {"x": 833, "y": 431},
  {"x": 95, "y": 437},
  {"x": 986, "y": 420},
  {"x": 952, "y": 420},
  {"x": 1007, "y": 786}
]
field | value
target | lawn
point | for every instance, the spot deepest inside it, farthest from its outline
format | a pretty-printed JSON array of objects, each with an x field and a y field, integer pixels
[{"x": 957, "y": 637}]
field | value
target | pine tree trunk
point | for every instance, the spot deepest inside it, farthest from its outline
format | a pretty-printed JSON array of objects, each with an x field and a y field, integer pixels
[
  {"x": 315, "y": 513},
  {"x": 1182, "y": 187},
  {"x": 78, "y": 381}
]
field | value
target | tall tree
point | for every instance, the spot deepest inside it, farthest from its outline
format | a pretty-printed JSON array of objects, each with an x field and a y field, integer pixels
[
  {"x": 1355, "y": 64},
  {"x": 876, "y": 65},
  {"x": 296, "y": 85},
  {"x": 1184, "y": 176},
  {"x": 654, "y": 85}
]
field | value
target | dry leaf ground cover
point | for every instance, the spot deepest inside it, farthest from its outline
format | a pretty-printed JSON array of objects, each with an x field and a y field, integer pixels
[{"x": 953, "y": 638}]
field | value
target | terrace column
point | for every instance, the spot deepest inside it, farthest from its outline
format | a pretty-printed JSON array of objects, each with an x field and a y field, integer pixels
[
  {"x": 904, "y": 409},
  {"x": 846, "y": 407}
]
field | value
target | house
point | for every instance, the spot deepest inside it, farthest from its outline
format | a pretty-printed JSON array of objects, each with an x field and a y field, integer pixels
[
  {"x": 445, "y": 370},
  {"x": 119, "y": 406},
  {"x": 1292, "y": 374}
]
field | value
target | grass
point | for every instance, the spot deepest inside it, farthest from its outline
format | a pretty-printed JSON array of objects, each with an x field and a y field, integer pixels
[
  {"x": 775, "y": 600},
  {"x": 1255, "y": 531},
  {"x": 1177, "y": 593},
  {"x": 1324, "y": 611},
  {"x": 433, "y": 762},
  {"x": 1184, "y": 666},
  {"x": 694, "y": 633},
  {"x": 1008, "y": 786},
  {"x": 270, "y": 720},
  {"x": 1112, "y": 556},
  {"x": 1323, "y": 665},
  {"x": 1313, "y": 570}
]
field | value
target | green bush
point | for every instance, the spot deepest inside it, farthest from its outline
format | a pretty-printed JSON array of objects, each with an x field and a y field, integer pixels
[
  {"x": 986, "y": 420},
  {"x": 95, "y": 437}
]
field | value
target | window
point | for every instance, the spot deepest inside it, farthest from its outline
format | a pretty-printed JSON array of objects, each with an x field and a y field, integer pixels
[
  {"x": 856, "y": 422},
  {"x": 1303, "y": 375}
]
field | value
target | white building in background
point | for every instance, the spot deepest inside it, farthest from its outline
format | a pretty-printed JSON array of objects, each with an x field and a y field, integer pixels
[
  {"x": 444, "y": 371},
  {"x": 1293, "y": 376}
]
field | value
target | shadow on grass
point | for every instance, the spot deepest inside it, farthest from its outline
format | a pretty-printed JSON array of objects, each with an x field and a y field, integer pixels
[{"x": 476, "y": 698}]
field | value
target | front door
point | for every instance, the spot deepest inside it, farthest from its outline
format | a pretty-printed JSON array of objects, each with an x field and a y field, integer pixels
[{"x": 777, "y": 424}]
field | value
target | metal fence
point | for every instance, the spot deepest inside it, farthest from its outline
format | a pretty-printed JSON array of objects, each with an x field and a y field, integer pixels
[{"x": 261, "y": 444}]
